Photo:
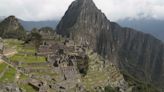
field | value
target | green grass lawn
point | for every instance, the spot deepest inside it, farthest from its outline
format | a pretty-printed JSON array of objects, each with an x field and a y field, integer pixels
[
  {"x": 26, "y": 48},
  {"x": 23, "y": 77},
  {"x": 27, "y": 58},
  {"x": 2, "y": 67},
  {"x": 9, "y": 75},
  {"x": 27, "y": 88},
  {"x": 19, "y": 45},
  {"x": 12, "y": 42}
]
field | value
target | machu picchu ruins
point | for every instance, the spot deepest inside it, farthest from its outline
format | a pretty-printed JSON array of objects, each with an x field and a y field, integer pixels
[
  {"x": 84, "y": 52},
  {"x": 58, "y": 65}
]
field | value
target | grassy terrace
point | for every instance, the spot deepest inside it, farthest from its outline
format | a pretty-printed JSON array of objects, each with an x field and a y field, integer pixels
[
  {"x": 28, "y": 88},
  {"x": 94, "y": 78},
  {"x": 24, "y": 51},
  {"x": 26, "y": 48},
  {"x": 2, "y": 67},
  {"x": 25, "y": 87},
  {"x": 27, "y": 58},
  {"x": 18, "y": 45},
  {"x": 9, "y": 75},
  {"x": 12, "y": 42}
]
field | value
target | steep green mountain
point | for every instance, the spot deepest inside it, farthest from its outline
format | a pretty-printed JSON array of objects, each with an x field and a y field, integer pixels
[
  {"x": 11, "y": 28},
  {"x": 135, "y": 53}
]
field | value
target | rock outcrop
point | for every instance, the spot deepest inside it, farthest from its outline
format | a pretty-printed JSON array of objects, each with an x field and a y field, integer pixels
[
  {"x": 140, "y": 55},
  {"x": 11, "y": 28}
]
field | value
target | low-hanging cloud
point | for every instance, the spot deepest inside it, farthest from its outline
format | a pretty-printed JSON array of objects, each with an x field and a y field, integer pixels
[{"x": 37, "y": 10}]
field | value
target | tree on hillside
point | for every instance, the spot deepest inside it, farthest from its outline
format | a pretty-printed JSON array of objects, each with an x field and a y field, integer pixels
[{"x": 36, "y": 39}]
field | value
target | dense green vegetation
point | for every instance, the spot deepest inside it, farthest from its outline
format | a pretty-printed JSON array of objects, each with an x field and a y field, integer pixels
[{"x": 34, "y": 38}]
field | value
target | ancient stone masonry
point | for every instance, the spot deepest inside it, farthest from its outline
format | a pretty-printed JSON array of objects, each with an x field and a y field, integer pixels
[
  {"x": 9, "y": 88},
  {"x": 66, "y": 68},
  {"x": 64, "y": 62},
  {"x": 45, "y": 49}
]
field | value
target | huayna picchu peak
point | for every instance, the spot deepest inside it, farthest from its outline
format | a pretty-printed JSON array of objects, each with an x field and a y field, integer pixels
[
  {"x": 136, "y": 53},
  {"x": 82, "y": 19},
  {"x": 85, "y": 53}
]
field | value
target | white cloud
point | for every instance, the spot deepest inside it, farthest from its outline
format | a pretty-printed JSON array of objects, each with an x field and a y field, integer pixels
[
  {"x": 120, "y": 9},
  {"x": 55, "y": 9}
]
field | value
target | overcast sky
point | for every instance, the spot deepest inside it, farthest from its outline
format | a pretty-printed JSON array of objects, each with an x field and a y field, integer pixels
[{"x": 37, "y": 10}]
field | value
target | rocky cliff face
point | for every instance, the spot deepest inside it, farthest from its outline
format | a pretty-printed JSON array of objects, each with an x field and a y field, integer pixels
[
  {"x": 82, "y": 22},
  {"x": 139, "y": 54},
  {"x": 11, "y": 28}
]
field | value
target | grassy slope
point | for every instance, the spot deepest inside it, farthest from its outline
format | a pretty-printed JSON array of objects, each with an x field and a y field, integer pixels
[
  {"x": 27, "y": 58},
  {"x": 2, "y": 67},
  {"x": 9, "y": 76}
]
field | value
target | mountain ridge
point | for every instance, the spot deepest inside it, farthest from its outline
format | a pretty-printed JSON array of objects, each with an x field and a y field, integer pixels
[
  {"x": 152, "y": 26},
  {"x": 137, "y": 53},
  {"x": 10, "y": 27},
  {"x": 149, "y": 26}
]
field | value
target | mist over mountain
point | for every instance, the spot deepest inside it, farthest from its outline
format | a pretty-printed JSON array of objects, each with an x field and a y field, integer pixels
[{"x": 150, "y": 25}]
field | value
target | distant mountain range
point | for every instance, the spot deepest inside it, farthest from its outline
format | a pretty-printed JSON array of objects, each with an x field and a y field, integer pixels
[
  {"x": 29, "y": 25},
  {"x": 152, "y": 26}
]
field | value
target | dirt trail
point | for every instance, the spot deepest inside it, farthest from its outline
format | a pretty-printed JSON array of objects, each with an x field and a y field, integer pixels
[{"x": 10, "y": 54}]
